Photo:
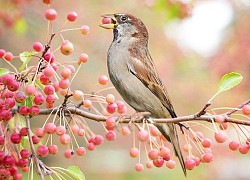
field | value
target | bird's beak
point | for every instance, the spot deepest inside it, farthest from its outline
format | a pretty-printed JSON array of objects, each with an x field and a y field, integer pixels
[{"x": 109, "y": 25}]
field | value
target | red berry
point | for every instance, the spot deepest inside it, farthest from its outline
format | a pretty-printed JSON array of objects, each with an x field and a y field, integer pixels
[
  {"x": 49, "y": 90},
  {"x": 91, "y": 146},
  {"x": 2, "y": 53},
  {"x": 2, "y": 140},
  {"x": 25, "y": 153},
  {"x": 40, "y": 132},
  {"x": 50, "y": 14},
  {"x": 39, "y": 99},
  {"x": 45, "y": 79},
  {"x": 98, "y": 140},
  {"x": 42, "y": 150},
  {"x": 234, "y": 145},
  {"x": 159, "y": 162},
  {"x": 37, "y": 46},
  {"x": 207, "y": 157},
  {"x": 53, "y": 149},
  {"x": 34, "y": 110},
  {"x": 106, "y": 20},
  {"x": 20, "y": 97},
  {"x": 65, "y": 139},
  {"x": 24, "y": 131},
  {"x": 8, "y": 161},
  {"x": 9, "y": 103},
  {"x": 103, "y": 80},
  {"x": 72, "y": 16},
  {"x": 111, "y": 108},
  {"x": 190, "y": 164},
  {"x": 50, "y": 128},
  {"x": 83, "y": 58},
  {"x": 110, "y": 136},
  {"x": 8, "y": 56},
  {"x": 35, "y": 139},
  {"x": 153, "y": 154},
  {"x": 13, "y": 87},
  {"x": 22, "y": 162},
  {"x": 15, "y": 138},
  {"x": 80, "y": 151},
  {"x": 24, "y": 110},
  {"x": 69, "y": 153},
  {"x": 50, "y": 99},
  {"x": 49, "y": 57},
  {"x": 243, "y": 149}
]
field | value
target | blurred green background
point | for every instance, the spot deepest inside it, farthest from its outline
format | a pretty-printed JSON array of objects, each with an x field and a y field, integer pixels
[{"x": 193, "y": 44}]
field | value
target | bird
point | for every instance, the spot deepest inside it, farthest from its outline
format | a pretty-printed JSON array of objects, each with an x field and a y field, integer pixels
[{"x": 135, "y": 77}]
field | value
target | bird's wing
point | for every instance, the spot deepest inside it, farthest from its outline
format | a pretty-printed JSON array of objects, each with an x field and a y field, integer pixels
[{"x": 143, "y": 68}]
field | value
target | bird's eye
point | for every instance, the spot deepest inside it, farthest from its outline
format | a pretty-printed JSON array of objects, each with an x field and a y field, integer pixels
[{"x": 124, "y": 18}]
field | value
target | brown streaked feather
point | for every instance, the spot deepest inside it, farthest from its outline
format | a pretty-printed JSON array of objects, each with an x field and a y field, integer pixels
[{"x": 144, "y": 69}]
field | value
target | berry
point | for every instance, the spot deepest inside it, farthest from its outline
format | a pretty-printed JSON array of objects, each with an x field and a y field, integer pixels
[
  {"x": 24, "y": 110},
  {"x": 190, "y": 164},
  {"x": 134, "y": 152},
  {"x": 40, "y": 132},
  {"x": 37, "y": 46},
  {"x": 81, "y": 132},
  {"x": 39, "y": 99},
  {"x": 149, "y": 164},
  {"x": 207, "y": 157},
  {"x": 220, "y": 136},
  {"x": 91, "y": 146},
  {"x": 64, "y": 83},
  {"x": 106, "y": 20},
  {"x": 243, "y": 149},
  {"x": 126, "y": 131},
  {"x": 8, "y": 161},
  {"x": 50, "y": 128},
  {"x": 13, "y": 87},
  {"x": 171, "y": 164},
  {"x": 87, "y": 103},
  {"x": 164, "y": 152},
  {"x": 80, "y": 151},
  {"x": 49, "y": 57},
  {"x": 110, "y": 98},
  {"x": 83, "y": 58},
  {"x": 2, "y": 53},
  {"x": 72, "y": 68},
  {"x": 45, "y": 79},
  {"x": 111, "y": 108},
  {"x": 25, "y": 153},
  {"x": 69, "y": 153},
  {"x": 103, "y": 80},
  {"x": 22, "y": 162},
  {"x": 198, "y": 136},
  {"x": 2, "y": 140},
  {"x": 246, "y": 110},
  {"x": 24, "y": 131},
  {"x": 67, "y": 47},
  {"x": 143, "y": 135},
  {"x": 72, "y": 16},
  {"x": 98, "y": 140},
  {"x": 50, "y": 14},
  {"x": 85, "y": 30},
  {"x": 155, "y": 131},
  {"x": 206, "y": 142},
  {"x": 153, "y": 154},
  {"x": 110, "y": 122},
  {"x": 49, "y": 90},
  {"x": 220, "y": 118},
  {"x": 19, "y": 97},
  {"x": 60, "y": 130},
  {"x": 8, "y": 56},
  {"x": 53, "y": 149},
  {"x": 50, "y": 99},
  {"x": 234, "y": 145},
  {"x": 9, "y": 103},
  {"x": 34, "y": 110},
  {"x": 65, "y": 139},
  {"x": 110, "y": 136},
  {"x": 15, "y": 138},
  {"x": 42, "y": 150},
  {"x": 49, "y": 71},
  {"x": 159, "y": 162},
  {"x": 78, "y": 95},
  {"x": 30, "y": 90},
  {"x": 139, "y": 167}
]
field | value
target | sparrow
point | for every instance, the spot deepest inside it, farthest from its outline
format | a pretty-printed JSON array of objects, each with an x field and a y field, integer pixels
[{"x": 133, "y": 74}]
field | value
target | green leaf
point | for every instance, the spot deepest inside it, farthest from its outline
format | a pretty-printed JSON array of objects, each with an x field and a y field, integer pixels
[
  {"x": 76, "y": 172},
  {"x": 25, "y": 58},
  {"x": 29, "y": 101},
  {"x": 20, "y": 26},
  {"x": 3, "y": 71},
  {"x": 229, "y": 81}
]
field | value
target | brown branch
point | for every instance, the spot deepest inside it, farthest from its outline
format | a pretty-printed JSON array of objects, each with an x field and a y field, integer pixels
[
  {"x": 238, "y": 107},
  {"x": 37, "y": 161},
  {"x": 179, "y": 119}
]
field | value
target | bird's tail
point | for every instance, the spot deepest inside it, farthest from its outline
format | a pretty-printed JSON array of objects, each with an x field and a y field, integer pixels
[{"x": 170, "y": 133}]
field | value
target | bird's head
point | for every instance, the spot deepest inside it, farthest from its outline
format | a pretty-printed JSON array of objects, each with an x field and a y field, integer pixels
[{"x": 126, "y": 26}]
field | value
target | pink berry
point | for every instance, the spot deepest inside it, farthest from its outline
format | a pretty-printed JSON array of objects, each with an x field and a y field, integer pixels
[
  {"x": 103, "y": 80},
  {"x": 171, "y": 164},
  {"x": 72, "y": 68},
  {"x": 69, "y": 153},
  {"x": 67, "y": 47},
  {"x": 207, "y": 157},
  {"x": 50, "y": 128},
  {"x": 65, "y": 139},
  {"x": 40, "y": 132},
  {"x": 49, "y": 71},
  {"x": 56, "y": 86},
  {"x": 13, "y": 87},
  {"x": 80, "y": 151},
  {"x": 60, "y": 130},
  {"x": 223, "y": 126},
  {"x": 22, "y": 162},
  {"x": 155, "y": 131},
  {"x": 2, "y": 140},
  {"x": 83, "y": 58},
  {"x": 98, "y": 140},
  {"x": 220, "y": 118},
  {"x": 243, "y": 149},
  {"x": 39, "y": 99},
  {"x": 53, "y": 149},
  {"x": 74, "y": 128},
  {"x": 8, "y": 56},
  {"x": 15, "y": 138},
  {"x": 42, "y": 150},
  {"x": 164, "y": 152},
  {"x": 106, "y": 20},
  {"x": 50, "y": 14},
  {"x": 197, "y": 161},
  {"x": 246, "y": 110},
  {"x": 220, "y": 136},
  {"x": 20, "y": 97},
  {"x": 49, "y": 90},
  {"x": 24, "y": 110},
  {"x": 81, "y": 132},
  {"x": 206, "y": 142},
  {"x": 30, "y": 90},
  {"x": 64, "y": 83},
  {"x": 72, "y": 16},
  {"x": 143, "y": 135},
  {"x": 34, "y": 110},
  {"x": 110, "y": 136},
  {"x": 8, "y": 161},
  {"x": 126, "y": 131},
  {"x": 110, "y": 122},
  {"x": 139, "y": 167},
  {"x": 198, "y": 136},
  {"x": 49, "y": 57},
  {"x": 190, "y": 164},
  {"x": 2, "y": 53},
  {"x": 134, "y": 152},
  {"x": 91, "y": 146},
  {"x": 153, "y": 154},
  {"x": 9, "y": 103},
  {"x": 85, "y": 30},
  {"x": 111, "y": 108},
  {"x": 37, "y": 46},
  {"x": 87, "y": 103},
  {"x": 45, "y": 80},
  {"x": 25, "y": 153},
  {"x": 50, "y": 99},
  {"x": 159, "y": 162},
  {"x": 110, "y": 98},
  {"x": 234, "y": 145}
]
